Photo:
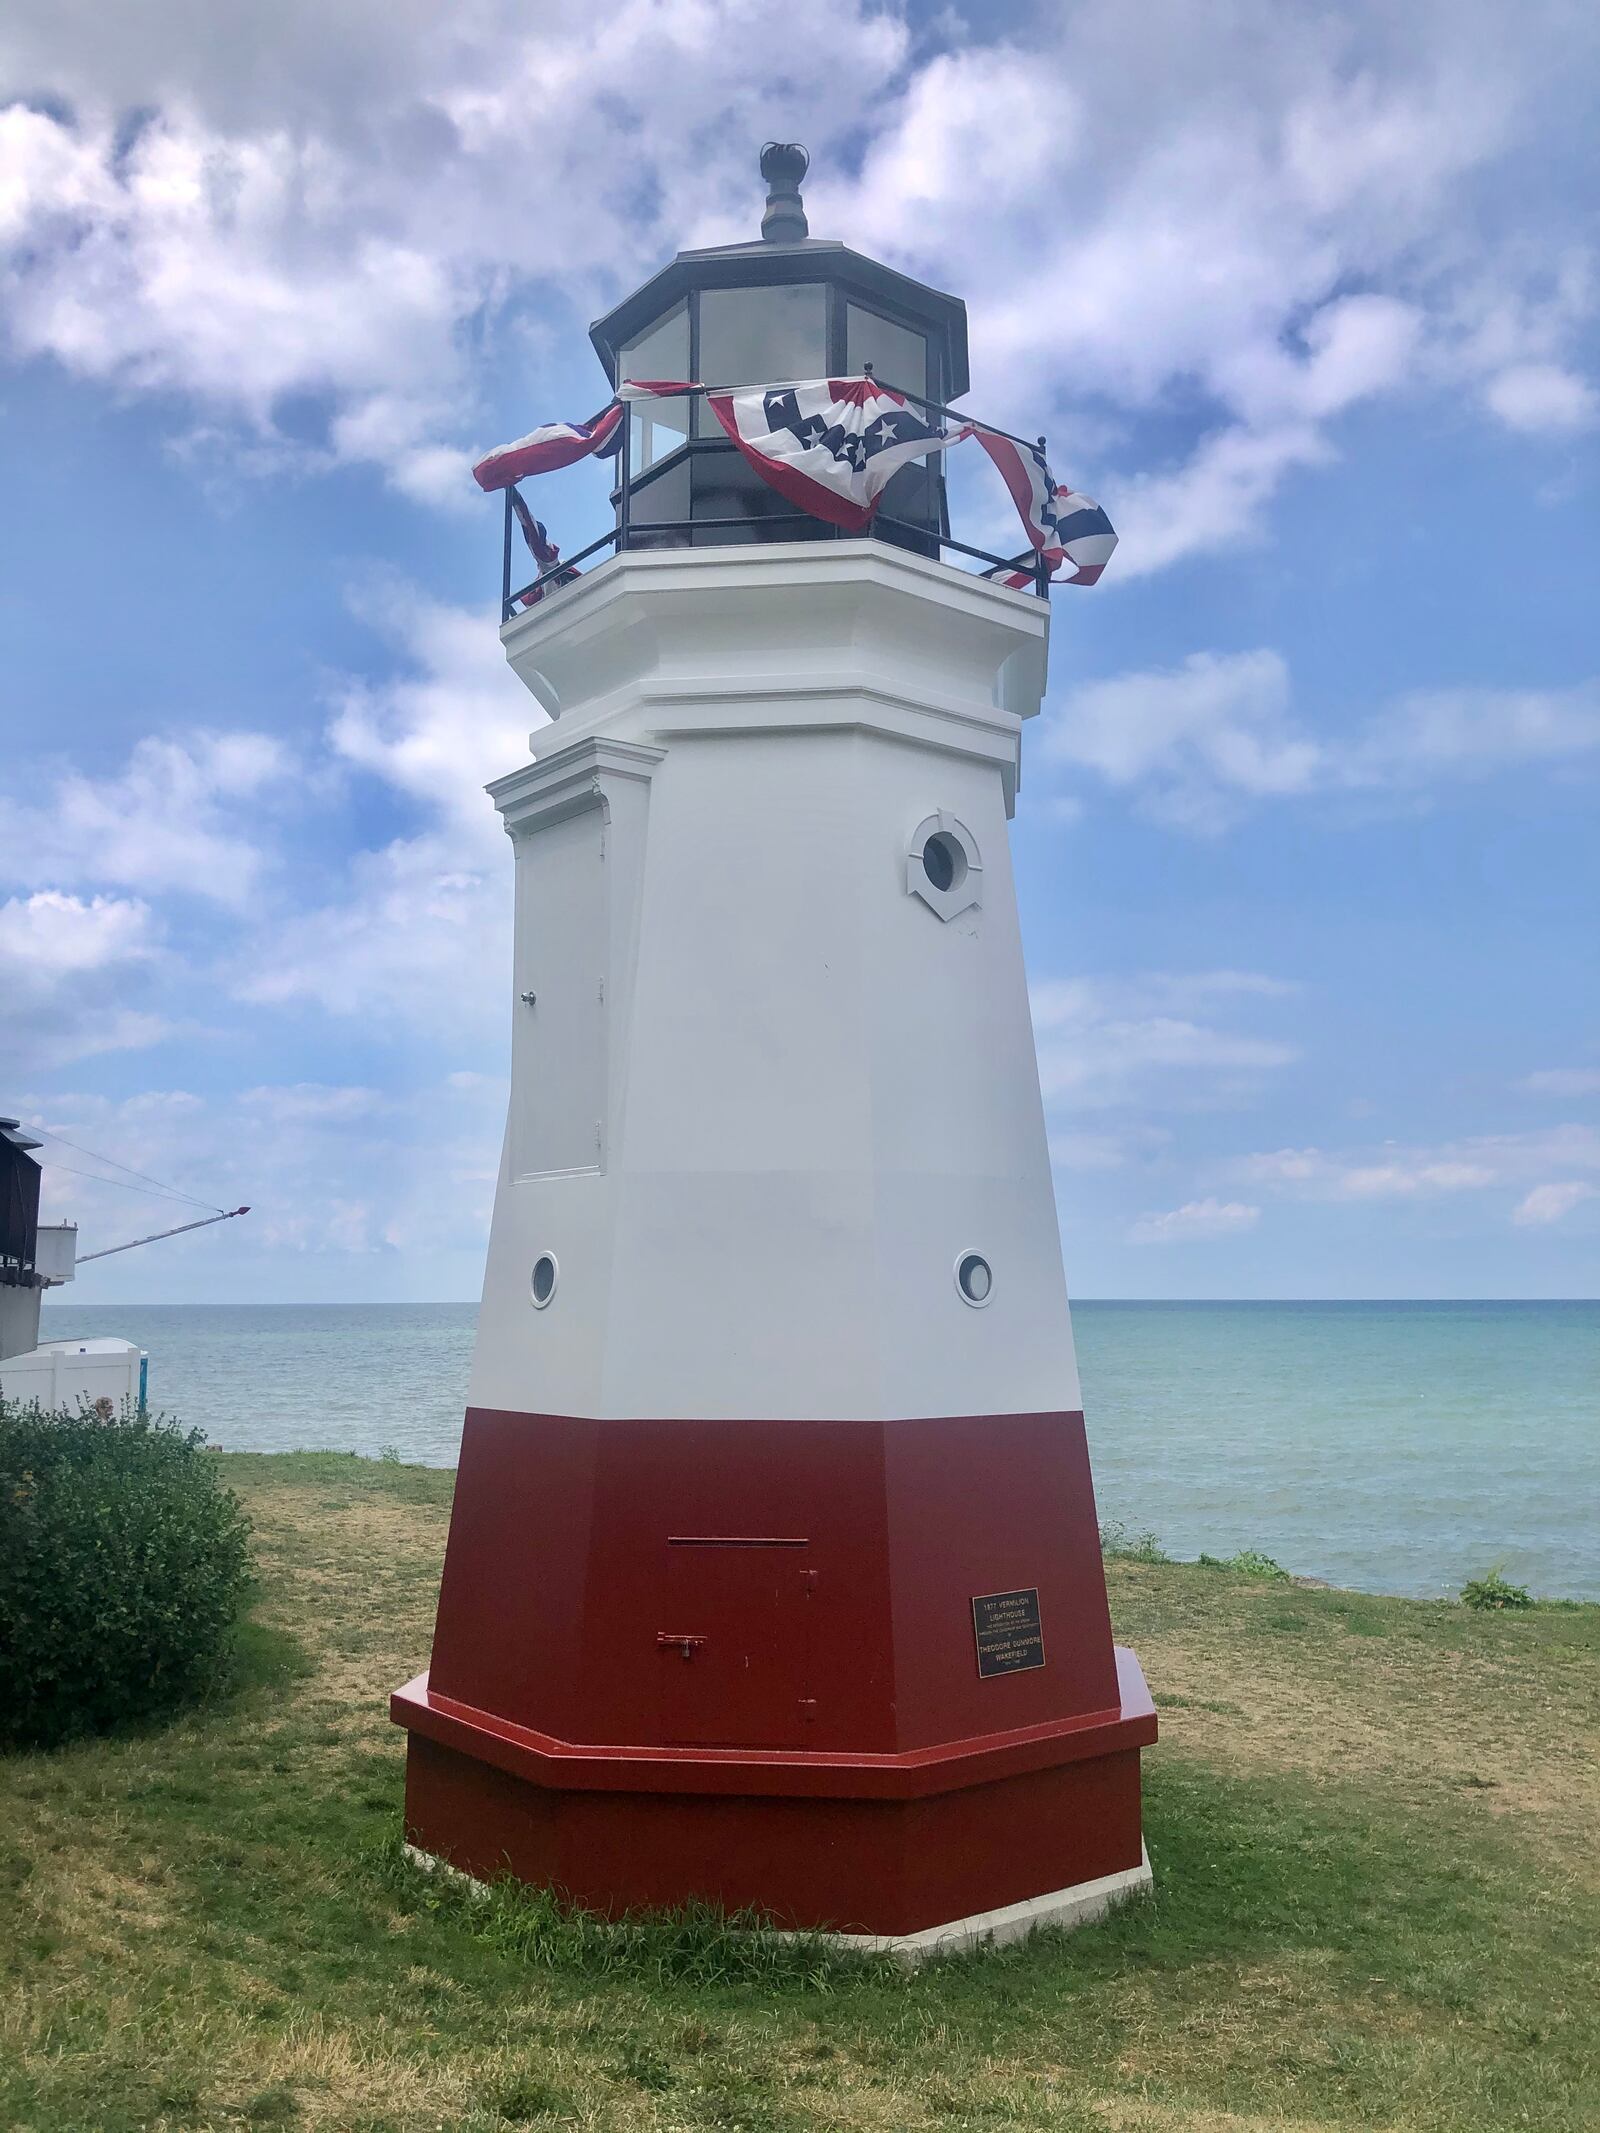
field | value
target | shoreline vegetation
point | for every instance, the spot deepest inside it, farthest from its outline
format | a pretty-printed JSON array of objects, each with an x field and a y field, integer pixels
[
  {"x": 1490, "y": 1591},
  {"x": 1371, "y": 1821}
]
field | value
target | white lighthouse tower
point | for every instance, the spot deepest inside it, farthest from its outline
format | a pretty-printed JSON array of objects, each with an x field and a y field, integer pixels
[{"x": 774, "y": 1576}]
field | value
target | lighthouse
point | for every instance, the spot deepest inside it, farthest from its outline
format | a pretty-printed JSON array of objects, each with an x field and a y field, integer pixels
[{"x": 773, "y": 1577}]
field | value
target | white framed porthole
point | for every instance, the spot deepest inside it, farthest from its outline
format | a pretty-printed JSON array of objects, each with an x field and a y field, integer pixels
[
  {"x": 943, "y": 866},
  {"x": 542, "y": 1281},
  {"x": 974, "y": 1279},
  {"x": 944, "y": 861}
]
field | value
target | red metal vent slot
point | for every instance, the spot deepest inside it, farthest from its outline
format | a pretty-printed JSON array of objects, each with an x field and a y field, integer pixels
[{"x": 735, "y": 1540}]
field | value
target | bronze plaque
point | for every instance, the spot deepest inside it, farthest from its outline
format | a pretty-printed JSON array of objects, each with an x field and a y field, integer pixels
[{"x": 1006, "y": 1626}]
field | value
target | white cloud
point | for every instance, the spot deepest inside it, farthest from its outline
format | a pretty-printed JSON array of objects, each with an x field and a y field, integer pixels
[
  {"x": 1142, "y": 1040},
  {"x": 1401, "y": 1180},
  {"x": 451, "y": 719},
  {"x": 418, "y": 931},
  {"x": 173, "y": 818},
  {"x": 1548, "y": 1203},
  {"x": 1543, "y": 399},
  {"x": 1197, "y": 743},
  {"x": 1397, "y": 1174},
  {"x": 1505, "y": 1162},
  {"x": 1214, "y": 498},
  {"x": 314, "y": 1102},
  {"x": 412, "y": 938},
  {"x": 1254, "y": 220},
  {"x": 415, "y": 938},
  {"x": 71, "y": 974},
  {"x": 327, "y": 1170},
  {"x": 332, "y": 205},
  {"x": 1109, "y": 1150},
  {"x": 1192, "y": 735},
  {"x": 1471, "y": 733},
  {"x": 1196, "y": 1219},
  {"x": 51, "y": 935},
  {"x": 1087, "y": 1151},
  {"x": 1562, "y": 1082}
]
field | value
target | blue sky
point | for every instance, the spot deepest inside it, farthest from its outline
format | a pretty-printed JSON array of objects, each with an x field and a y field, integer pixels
[{"x": 1306, "y": 847}]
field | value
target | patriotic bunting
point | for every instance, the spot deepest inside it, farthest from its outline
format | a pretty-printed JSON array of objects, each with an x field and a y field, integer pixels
[
  {"x": 543, "y": 550},
  {"x": 1063, "y": 526},
  {"x": 552, "y": 445},
  {"x": 831, "y": 446}
]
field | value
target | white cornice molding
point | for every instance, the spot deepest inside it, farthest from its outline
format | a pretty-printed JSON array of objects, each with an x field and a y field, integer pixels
[
  {"x": 766, "y": 564},
  {"x": 568, "y": 780}
]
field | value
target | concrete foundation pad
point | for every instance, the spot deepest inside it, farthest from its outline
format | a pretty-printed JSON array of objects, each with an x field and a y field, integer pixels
[{"x": 1062, "y": 1909}]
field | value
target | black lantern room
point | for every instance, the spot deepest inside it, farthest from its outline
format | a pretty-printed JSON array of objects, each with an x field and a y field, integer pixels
[{"x": 786, "y": 307}]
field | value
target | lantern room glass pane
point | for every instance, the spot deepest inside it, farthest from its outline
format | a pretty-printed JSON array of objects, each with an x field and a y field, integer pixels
[
  {"x": 897, "y": 355},
  {"x": 661, "y": 351},
  {"x": 761, "y": 337}
]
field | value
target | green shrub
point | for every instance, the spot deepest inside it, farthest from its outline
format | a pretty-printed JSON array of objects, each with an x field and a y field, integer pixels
[
  {"x": 123, "y": 1568},
  {"x": 1492, "y": 1591},
  {"x": 1249, "y": 1563},
  {"x": 1118, "y": 1544}
]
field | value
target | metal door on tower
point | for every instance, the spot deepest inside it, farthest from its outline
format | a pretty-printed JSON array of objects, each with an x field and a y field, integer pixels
[{"x": 734, "y": 1645}]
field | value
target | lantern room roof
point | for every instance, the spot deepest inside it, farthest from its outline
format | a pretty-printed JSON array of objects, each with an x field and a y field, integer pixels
[{"x": 762, "y": 264}]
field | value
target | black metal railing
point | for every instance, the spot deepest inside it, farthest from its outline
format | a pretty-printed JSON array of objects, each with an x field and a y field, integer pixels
[{"x": 682, "y": 532}]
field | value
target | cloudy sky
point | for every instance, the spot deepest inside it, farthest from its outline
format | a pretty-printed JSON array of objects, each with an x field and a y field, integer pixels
[{"x": 1307, "y": 296}]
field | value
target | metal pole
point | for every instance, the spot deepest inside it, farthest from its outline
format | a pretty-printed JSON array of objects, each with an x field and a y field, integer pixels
[
  {"x": 505, "y": 566},
  {"x": 1041, "y": 576},
  {"x": 624, "y": 475},
  {"x": 155, "y": 1238}
]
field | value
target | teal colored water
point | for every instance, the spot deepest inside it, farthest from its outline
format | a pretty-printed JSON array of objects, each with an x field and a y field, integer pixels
[
  {"x": 1400, "y": 1447},
  {"x": 1397, "y": 1447}
]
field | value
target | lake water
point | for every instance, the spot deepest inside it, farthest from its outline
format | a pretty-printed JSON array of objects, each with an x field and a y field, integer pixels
[{"x": 1398, "y": 1447}]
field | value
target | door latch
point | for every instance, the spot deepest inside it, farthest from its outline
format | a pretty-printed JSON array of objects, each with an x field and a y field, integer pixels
[{"x": 667, "y": 1640}]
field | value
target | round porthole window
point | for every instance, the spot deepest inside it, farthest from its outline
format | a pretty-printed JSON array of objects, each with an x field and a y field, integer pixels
[
  {"x": 542, "y": 1286},
  {"x": 943, "y": 866},
  {"x": 944, "y": 862},
  {"x": 974, "y": 1278}
]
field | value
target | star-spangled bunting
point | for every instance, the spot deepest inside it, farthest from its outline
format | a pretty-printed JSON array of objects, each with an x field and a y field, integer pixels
[
  {"x": 552, "y": 445},
  {"x": 544, "y": 552},
  {"x": 1063, "y": 526},
  {"x": 831, "y": 446}
]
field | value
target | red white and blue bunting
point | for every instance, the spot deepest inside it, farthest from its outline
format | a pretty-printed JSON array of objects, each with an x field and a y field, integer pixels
[
  {"x": 831, "y": 447},
  {"x": 552, "y": 445},
  {"x": 543, "y": 550},
  {"x": 1063, "y": 526}
]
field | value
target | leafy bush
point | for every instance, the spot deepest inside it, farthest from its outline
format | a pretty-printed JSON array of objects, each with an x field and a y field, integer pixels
[
  {"x": 1117, "y": 1543},
  {"x": 1492, "y": 1591},
  {"x": 123, "y": 1567},
  {"x": 1249, "y": 1563}
]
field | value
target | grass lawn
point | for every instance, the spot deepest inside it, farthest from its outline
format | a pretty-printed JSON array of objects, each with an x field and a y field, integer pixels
[{"x": 1372, "y": 1824}]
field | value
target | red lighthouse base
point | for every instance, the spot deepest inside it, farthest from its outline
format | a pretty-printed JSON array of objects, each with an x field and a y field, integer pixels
[{"x": 741, "y": 1662}]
